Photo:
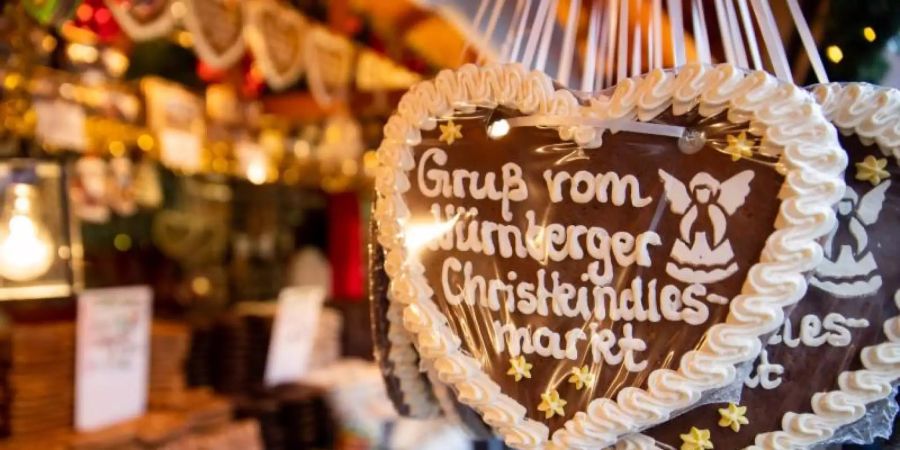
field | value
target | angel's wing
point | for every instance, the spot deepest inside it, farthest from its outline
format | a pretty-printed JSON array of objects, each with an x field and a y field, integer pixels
[
  {"x": 676, "y": 193},
  {"x": 870, "y": 204},
  {"x": 733, "y": 191}
]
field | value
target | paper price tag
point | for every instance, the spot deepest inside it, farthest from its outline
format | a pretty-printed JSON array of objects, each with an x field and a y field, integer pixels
[
  {"x": 112, "y": 355},
  {"x": 293, "y": 334}
]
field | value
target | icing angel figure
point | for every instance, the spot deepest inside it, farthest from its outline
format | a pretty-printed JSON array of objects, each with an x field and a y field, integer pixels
[
  {"x": 849, "y": 269},
  {"x": 89, "y": 190},
  {"x": 702, "y": 253}
]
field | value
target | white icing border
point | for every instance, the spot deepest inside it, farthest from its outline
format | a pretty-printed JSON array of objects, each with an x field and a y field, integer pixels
[
  {"x": 873, "y": 114},
  {"x": 256, "y": 41},
  {"x": 785, "y": 116},
  {"x": 161, "y": 26}
]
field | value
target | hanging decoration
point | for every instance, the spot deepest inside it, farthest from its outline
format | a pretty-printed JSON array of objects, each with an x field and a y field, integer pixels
[
  {"x": 276, "y": 35},
  {"x": 429, "y": 137},
  {"x": 216, "y": 28},
  {"x": 329, "y": 65},
  {"x": 89, "y": 189},
  {"x": 145, "y": 19}
]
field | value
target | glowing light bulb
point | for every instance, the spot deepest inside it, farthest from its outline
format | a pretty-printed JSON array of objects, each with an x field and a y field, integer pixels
[
  {"x": 26, "y": 248},
  {"x": 257, "y": 172}
]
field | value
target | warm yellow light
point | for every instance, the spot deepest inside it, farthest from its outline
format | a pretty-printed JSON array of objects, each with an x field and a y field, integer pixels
[
  {"x": 12, "y": 80},
  {"x": 48, "y": 43},
  {"x": 145, "y": 142},
  {"x": 115, "y": 61},
  {"x": 257, "y": 172},
  {"x": 418, "y": 235},
  {"x": 82, "y": 53},
  {"x": 201, "y": 286},
  {"x": 26, "y": 248},
  {"x": 116, "y": 148},
  {"x": 834, "y": 53},
  {"x": 869, "y": 34},
  {"x": 178, "y": 10},
  {"x": 349, "y": 167},
  {"x": 185, "y": 39},
  {"x": 301, "y": 149},
  {"x": 122, "y": 242}
]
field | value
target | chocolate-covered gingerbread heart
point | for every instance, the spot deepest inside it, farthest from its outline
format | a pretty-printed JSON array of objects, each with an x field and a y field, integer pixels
[
  {"x": 580, "y": 284},
  {"x": 216, "y": 27},
  {"x": 838, "y": 352}
]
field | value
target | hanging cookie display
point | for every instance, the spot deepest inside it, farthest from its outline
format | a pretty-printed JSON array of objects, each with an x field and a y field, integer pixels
[
  {"x": 575, "y": 285},
  {"x": 89, "y": 189}
]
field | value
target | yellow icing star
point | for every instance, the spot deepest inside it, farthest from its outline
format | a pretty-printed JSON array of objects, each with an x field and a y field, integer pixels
[
  {"x": 733, "y": 417},
  {"x": 551, "y": 404},
  {"x": 739, "y": 147},
  {"x": 872, "y": 170},
  {"x": 581, "y": 377},
  {"x": 450, "y": 132},
  {"x": 696, "y": 439},
  {"x": 519, "y": 368}
]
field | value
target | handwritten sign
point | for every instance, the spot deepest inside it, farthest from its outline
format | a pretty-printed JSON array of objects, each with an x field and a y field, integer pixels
[
  {"x": 112, "y": 353},
  {"x": 293, "y": 333}
]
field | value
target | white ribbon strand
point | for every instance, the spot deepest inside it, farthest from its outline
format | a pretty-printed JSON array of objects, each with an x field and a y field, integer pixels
[
  {"x": 809, "y": 44},
  {"x": 772, "y": 39},
  {"x": 568, "y": 48},
  {"x": 633, "y": 126}
]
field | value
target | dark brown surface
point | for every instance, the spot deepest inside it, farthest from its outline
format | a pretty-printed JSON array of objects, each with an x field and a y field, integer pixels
[
  {"x": 625, "y": 153},
  {"x": 808, "y": 370}
]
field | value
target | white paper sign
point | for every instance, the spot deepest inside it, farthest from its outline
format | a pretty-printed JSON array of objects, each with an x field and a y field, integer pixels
[
  {"x": 112, "y": 355},
  {"x": 180, "y": 150},
  {"x": 293, "y": 334},
  {"x": 60, "y": 124}
]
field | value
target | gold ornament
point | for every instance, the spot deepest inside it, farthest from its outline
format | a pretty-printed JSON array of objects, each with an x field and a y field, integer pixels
[
  {"x": 450, "y": 132},
  {"x": 519, "y": 368},
  {"x": 551, "y": 404},
  {"x": 739, "y": 146},
  {"x": 872, "y": 169},
  {"x": 582, "y": 377},
  {"x": 733, "y": 417},
  {"x": 696, "y": 439}
]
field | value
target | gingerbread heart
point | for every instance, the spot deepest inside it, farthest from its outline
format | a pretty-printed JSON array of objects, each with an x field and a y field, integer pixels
[
  {"x": 838, "y": 352},
  {"x": 574, "y": 285},
  {"x": 143, "y": 19},
  {"x": 216, "y": 27},
  {"x": 276, "y": 36}
]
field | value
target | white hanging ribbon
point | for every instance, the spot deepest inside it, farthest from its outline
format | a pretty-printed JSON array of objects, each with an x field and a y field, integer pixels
[
  {"x": 751, "y": 34},
  {"x": 534, "y": 36},
  {"x": 622, "y": 60},
  {"x": 636, "y": 42},
  {"x": 608, "y": 44},
  {"x": 677, "y": 32},
  {"x": 772, "y": 39},
  {"x": 589, "y": 70},
  {"x": 547, "y": 36},
  {"x": 809, "y": 44},
  {"x": 633, "y": 126},
  {"x": 656, "y": 26},
  {"x": 514, "y": 34},
  {"x": 491, "y": 27},
  {"x": 739, "y": 52},
  {"x": 701, "y": 35},
  {"x": 724, "y": 32},
  {"x": 568, "y": 48}
]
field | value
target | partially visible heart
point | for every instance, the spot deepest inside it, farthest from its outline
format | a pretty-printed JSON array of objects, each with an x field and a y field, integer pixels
[
  {"x": 276, "y": 35},
  {"x": 216, "y": 27},
  {"x": 586, "y": 285}
]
